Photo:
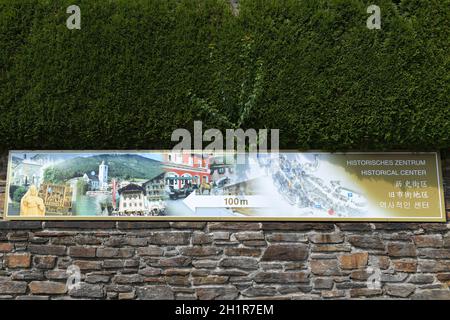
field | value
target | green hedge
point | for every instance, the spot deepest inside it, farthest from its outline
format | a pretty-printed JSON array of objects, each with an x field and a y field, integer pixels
[{"x": 139, "y": 69}]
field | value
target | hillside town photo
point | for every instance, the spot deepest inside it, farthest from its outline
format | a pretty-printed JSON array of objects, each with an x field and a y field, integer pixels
[{"x": 111, "y": 185}]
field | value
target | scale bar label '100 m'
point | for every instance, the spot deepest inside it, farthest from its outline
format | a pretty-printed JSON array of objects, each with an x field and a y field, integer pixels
[{"x": 190, "y": 185}]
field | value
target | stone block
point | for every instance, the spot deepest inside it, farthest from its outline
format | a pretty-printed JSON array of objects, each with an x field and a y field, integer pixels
[
  {"x": 323, "y": 283},
  {"x": 432, "y": 253},
  {"x": 150, "y": 251},
  {"x": 86, "y": 225},
  {"x": 405, "y": 265},
  {"x": 13, "y": 287},
  {"x": 87, "y": 290},
  {"x": 433, "y": 294},
  {"x": 200, "y": 251},
  {"x": 298, "y": 226},
  {"x": 18, "y": 260},
  {"x": 433, "y": 266},
  {"x": 287, "y": 237},
  {"x": 242, "y": 252},
  {"x": 53, "y": 250},
  {"x": 428, "y": 241},
  {"x": 82, "y": 252},
  {"x": 44, "y": 262},
  {"x": 401, "y": 249},
  {"x": 240, "y": 263},
  {"x": 321, "y": 238},
  {"x": 20, "y": 225},
  {"x": 202, "y": 238},
  {"x": 364, "y": 292},
  {"x": 217, "y": 293},
  {"x": 248, "y": 235},
  {"x": 400, "y": 290},
  {"x": 188, "y": 225},
  {"x": 28, "y": 275},
  {"x": 6, "y": 247},
  {"x": 325, "y": 267},
  {"x": 354, "y": 260},
  {"x": 282, "y": 277},
  {"x": 128, "y": 279},
  {"x": 245, "y": 226},
  {"x": 210, "y": 280},
  {"x": 47, "y": 287},
  {"x": 285, "y": 252},
  {"x": 366, "y": 242},
  {"x": 155, "y": 292},
  {"x": 118, "y": 253},
  {"x": 88, "y": 264},
  {"x": 355, "y": 226},
  {"x": 170, "y": 238},
  {"x": 130, "y": 225}
]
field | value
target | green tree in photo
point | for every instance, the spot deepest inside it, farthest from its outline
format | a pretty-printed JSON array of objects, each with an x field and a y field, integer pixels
[
  {"x": 53, "y": 175},
  {"x": 19, "y": 193}
]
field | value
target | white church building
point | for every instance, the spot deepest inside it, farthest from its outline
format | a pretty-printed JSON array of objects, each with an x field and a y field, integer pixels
[
  {"x": 99, "y": 182},
  {"x": 103, "y": 176}
]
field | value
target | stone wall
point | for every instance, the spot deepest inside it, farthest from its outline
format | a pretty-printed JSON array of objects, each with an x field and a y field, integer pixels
[{"x": 225, "y": 260}]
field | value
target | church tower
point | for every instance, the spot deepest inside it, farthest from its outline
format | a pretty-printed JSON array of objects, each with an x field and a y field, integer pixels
[{"x": 103, "y": 176}]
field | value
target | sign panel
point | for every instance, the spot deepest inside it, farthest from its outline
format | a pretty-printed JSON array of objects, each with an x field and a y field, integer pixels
[{"x": 189, "y": 185}]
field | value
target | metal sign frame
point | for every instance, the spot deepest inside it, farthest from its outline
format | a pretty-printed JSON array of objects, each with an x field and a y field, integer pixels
[{"x": 440, "y": 217}]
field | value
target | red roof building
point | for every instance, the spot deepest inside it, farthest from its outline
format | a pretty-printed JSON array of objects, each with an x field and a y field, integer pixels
[{"x": 185, "y": 167}]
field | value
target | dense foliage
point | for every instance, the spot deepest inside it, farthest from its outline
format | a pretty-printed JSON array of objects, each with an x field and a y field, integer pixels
[{"x": 139, "y": 69}]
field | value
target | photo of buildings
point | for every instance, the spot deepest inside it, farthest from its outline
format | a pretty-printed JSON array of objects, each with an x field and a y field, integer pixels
[
  {"x": 88, "y": 184},
  {"x": 96, "y": 184}
]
